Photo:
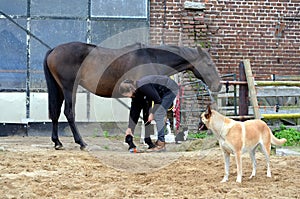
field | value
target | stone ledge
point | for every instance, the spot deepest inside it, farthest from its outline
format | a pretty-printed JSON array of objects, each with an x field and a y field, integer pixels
[{"x": 194, "y": 5}]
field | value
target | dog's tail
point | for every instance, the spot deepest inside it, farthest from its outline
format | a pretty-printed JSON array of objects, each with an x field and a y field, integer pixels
[{"x": 277, "y": 141}]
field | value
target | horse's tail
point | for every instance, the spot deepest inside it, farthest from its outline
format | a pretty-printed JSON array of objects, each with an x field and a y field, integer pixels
[{"x": 55, "y": 96}]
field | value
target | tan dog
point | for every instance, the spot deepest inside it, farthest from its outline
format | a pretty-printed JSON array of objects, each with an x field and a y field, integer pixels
[{"x": 237, "y": 137}]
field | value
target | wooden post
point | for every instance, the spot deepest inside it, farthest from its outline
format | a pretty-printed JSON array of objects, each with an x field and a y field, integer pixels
[
  {"x": 251, "y": 86},
  {"x": 243, "y": 92}
]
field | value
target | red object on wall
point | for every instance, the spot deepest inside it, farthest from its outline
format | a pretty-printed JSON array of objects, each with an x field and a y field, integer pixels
[{"x": 177, "y": 107}]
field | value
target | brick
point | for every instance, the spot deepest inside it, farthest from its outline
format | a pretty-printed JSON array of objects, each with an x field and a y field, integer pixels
[{"x": 248, "y": 31}]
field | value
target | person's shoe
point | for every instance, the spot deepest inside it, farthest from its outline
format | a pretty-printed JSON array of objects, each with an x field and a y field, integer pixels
[
  {"x": 129, "y": 141},
  {"x": 149, "y": 142},
  {"x": 159, "y": 147}
]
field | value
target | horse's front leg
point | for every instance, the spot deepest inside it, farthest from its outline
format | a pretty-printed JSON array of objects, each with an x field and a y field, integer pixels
[
  {"x": 77, "y": 137},
  {"x": 57, "y": 144},
  {"x": 70, "y": 115}
]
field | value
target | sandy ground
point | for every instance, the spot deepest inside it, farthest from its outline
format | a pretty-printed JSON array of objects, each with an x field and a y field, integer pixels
[{"x": 31, "y": 168}]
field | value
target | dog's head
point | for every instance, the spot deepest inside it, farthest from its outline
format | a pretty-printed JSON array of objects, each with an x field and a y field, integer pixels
[{"x": 204, "y": 119}]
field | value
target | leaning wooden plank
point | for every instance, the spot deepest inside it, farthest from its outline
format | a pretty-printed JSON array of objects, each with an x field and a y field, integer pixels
[{"x": 251, "y": 86}]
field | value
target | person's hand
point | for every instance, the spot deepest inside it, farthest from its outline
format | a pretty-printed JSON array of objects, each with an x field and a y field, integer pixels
[
  {"x": 150, "y": 117},
  {"x": 128, "y": 132}
]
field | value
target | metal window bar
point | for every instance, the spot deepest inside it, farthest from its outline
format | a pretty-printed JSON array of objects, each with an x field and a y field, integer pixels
[
  {"x": 30, "y": 35},
  {"x": 201, "y": 91},
  {"x": 234, "y": 91}
]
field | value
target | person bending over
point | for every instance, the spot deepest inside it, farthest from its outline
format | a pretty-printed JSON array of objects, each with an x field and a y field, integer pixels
[{"x": 162, "y": 90}]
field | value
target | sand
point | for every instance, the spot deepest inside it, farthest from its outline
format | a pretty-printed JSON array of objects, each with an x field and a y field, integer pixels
[{"x": 31, "y": 168}]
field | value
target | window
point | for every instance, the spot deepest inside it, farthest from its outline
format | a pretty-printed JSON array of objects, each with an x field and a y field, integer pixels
[
  {"x": 59, "y": 8},
  {"x": 109, "y": 23},
  {"x": 120, "y": 8}
]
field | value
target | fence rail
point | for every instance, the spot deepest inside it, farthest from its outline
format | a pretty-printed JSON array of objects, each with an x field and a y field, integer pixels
[{"x": 276, "y": 92}]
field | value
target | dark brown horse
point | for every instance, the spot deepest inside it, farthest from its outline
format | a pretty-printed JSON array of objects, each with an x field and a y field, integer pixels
[{"x": 100, "y": 70}]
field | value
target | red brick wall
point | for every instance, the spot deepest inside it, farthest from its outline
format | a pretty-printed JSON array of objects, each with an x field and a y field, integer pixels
[
  {"x": 265, "y": 31},
  {"x": 171, "y": 24},
  {"x": 165, "y": 22}
]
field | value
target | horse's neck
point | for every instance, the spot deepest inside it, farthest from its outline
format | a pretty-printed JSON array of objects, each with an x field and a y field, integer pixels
[
  {"x": 172, "y": 68},
  {"x": 134, "y": 46},
  {"x": 179, "y": 55}
]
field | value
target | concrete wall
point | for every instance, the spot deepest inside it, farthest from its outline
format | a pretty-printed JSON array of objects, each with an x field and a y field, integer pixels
[{"x": 13, "y": 108}]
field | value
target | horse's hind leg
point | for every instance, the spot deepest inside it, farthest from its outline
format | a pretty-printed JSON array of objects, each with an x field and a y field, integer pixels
[
  {"x": 57, "y": 144},
  {"x": 55, "y": 108},
  {"x": 70, "y": 115}
]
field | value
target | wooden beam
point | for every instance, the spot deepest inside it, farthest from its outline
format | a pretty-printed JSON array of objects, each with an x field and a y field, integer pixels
[
  {"x": 287, "y": 78},
  {"x": 234, "y": 82},
  {"x": 281, "y": 116},
  {"x": 242, "y": 117},
  {"x": 251, "y": 86},
  {"x": 243, "y": 92},
  {"x": 264, "y": 83},
  {"x": 277, "y": 83}
]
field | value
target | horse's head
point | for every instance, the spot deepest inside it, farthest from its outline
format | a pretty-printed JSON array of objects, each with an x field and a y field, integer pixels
[{"x": 205, "y": 69}]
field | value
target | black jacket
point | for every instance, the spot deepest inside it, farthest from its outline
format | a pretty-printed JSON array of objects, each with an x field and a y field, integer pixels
[{"x": 150, "y": 88}]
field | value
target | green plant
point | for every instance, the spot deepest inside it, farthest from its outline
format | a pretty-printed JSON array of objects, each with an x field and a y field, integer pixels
[
  {"x": 204, "y": 44},
  {"x": 290, "y": 134},
  {"x": 95, "y": 134},
  {"x": 198, "y": 135},
  {"x": 106, "y": 134}
]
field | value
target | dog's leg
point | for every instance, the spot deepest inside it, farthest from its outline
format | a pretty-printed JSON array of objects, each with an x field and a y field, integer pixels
[
  {"x": 238, "y": 159},
  {"x": 267, "y": 150},
  {"x": 227, "y": 163},
  {"x": 252, "y": 155}
]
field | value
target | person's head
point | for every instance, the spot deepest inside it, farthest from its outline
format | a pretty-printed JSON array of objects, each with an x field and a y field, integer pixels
[{"x": 127, "y": 88}]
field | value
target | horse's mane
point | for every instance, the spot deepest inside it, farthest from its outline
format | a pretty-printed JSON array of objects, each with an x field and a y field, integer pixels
[
  {"x": 135, "y": 46},
  {"x": 190, "y": 54},
  {"x": 187, "y": 53}
]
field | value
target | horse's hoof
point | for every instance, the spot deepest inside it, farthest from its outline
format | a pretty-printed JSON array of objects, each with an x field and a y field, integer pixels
[
  {"x": 83, "y": 148},
  {"x": 59, "y": 147}
]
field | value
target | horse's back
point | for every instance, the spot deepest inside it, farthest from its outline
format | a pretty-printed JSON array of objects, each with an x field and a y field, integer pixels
[
  {"x": 76, "y": 49},
  {"x": 65, "y": 60}
]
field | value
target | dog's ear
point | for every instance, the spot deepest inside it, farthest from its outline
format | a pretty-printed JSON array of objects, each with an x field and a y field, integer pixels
[{"x": 208, "y": 112}]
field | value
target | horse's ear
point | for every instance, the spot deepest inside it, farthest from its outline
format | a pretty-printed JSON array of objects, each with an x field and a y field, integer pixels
[{"x": 199, "y": 49}]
